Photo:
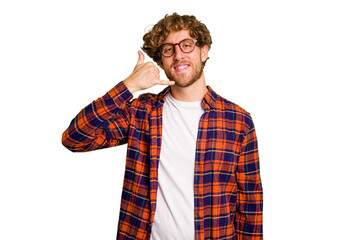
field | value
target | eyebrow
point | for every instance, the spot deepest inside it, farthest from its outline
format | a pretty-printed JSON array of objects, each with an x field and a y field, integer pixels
[{"x": 177, "y": 42}]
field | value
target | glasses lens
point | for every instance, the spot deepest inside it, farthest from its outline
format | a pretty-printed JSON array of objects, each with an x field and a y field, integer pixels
[
  {"x": 187, "y": 45},
  {"x": 167, "y": 50}
]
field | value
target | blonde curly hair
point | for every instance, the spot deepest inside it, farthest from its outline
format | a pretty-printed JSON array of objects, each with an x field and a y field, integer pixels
[{"x": 156, "y": 36}]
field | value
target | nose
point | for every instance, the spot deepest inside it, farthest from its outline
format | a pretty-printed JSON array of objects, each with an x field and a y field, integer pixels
[{"x": 178, "y": 53}]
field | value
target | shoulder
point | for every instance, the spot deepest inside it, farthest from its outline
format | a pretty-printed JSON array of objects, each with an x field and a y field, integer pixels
[
  {"x": 233, "y": 113},
  {"x": 144, "y": 100},
  {"x": 150, "y": 100}
]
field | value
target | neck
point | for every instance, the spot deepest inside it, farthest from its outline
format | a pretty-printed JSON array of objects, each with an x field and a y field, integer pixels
[{"x": 192, "y": 93}]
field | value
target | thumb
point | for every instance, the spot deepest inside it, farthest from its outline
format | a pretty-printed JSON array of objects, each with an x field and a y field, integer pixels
[{"x": 140, "y": 58}]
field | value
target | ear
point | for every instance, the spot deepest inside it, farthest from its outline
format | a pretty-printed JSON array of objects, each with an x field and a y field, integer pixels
[{"x": 204, "y": 53}]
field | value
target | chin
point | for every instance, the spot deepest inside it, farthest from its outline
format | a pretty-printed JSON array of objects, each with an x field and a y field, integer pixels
[
  {"x": 185, "y": 81},
  {"x": 184, "y": 84}
]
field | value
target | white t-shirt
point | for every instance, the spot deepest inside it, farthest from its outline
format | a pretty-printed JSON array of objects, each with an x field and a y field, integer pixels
[{"x": 174, "y": 214}]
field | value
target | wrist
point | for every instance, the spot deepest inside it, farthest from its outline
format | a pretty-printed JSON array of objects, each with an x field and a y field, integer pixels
[{"x": 130, "y": 87}]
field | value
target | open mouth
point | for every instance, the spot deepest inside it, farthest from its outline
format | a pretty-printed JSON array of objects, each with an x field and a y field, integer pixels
[{"x": 181, "y": 67}]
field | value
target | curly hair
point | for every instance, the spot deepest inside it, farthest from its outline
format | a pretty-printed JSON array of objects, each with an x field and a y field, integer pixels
[{"x": 173, "y": 23}]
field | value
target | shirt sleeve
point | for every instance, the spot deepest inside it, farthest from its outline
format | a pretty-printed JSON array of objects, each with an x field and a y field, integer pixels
[
  {"x": 248, "y": 216},
  {"x": 103, "y": 123}
]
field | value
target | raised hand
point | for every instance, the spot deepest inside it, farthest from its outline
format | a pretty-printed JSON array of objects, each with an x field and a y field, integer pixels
[{"x": 144, "y": 76}]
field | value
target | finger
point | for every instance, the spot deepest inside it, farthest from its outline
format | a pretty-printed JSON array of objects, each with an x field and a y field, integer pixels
[
  {"x": 140, "y": 58},
  {"x": 155, "y": 77},
  {"x": 165, "y": 82},
  {"x": 152, "y": 67},
  {"x": 156, "y": 69}
]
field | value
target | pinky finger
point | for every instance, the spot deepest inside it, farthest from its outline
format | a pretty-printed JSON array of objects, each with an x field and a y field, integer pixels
[{"x": 165, "y": 82}]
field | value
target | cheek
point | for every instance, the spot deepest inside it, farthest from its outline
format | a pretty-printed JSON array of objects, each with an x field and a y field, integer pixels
[
  {"x": 164, "y": 64},
  {"x": 167, "y": 66}
]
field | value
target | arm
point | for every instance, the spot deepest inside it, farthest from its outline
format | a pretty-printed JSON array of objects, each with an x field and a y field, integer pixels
[
  {"x": 103, "y": 123},
  {"x": 248, "y": 217}
]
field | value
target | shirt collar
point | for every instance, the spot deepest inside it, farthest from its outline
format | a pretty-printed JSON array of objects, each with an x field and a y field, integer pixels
[{"x": 208, "y": 101}]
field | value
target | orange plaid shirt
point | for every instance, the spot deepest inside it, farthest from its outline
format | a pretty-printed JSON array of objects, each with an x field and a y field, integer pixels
[{"x": 227, "y": 186}]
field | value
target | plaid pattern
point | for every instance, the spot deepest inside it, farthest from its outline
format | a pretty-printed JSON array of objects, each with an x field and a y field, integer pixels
[{"x": 227, "y": 185}]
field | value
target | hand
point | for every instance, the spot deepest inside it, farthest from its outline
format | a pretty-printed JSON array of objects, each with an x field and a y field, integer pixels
[{"x": 144, "y": 76}]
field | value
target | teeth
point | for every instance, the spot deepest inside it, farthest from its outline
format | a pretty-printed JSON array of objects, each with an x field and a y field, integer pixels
[{"x": 181, "y": 67}]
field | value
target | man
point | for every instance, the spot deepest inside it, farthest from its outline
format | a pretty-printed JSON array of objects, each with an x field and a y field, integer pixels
[{"x": 192, "y": 169}]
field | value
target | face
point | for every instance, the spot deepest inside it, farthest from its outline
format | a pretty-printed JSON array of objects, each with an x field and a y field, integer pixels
[{"x": 184, "y": 68}]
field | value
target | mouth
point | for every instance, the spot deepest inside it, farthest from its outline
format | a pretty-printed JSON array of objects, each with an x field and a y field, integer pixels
[{"x": 181, "y": 67}]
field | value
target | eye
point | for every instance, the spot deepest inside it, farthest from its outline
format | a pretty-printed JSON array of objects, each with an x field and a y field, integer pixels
[
  {"x": 187, "y": 44},
  {"x": 167, "y": 49}
]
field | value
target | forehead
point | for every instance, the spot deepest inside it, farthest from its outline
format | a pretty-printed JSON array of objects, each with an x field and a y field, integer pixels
[{"x": 175, "y": 37}]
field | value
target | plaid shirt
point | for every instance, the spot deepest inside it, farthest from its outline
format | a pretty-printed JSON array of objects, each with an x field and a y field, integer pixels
[{"x": 227, "y": 185}]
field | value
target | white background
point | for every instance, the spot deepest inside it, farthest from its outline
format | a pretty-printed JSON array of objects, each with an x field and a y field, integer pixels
[{"x": 294, "y": 65}]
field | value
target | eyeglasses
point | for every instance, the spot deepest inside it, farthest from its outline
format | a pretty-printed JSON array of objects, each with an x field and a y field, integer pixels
[{"x": 186, "y": 45}]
